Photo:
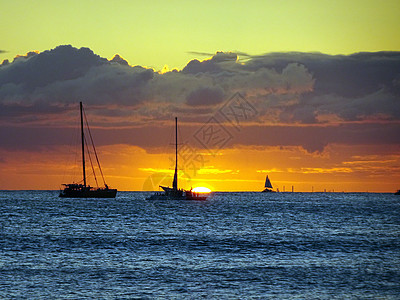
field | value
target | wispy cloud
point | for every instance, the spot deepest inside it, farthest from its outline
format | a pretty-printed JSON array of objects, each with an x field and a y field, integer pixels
[
  {"x": 153, "y": 170},
  {"x": 268, "y": 171},
  {"x": 213, "y": 170},
  {"x": 320, "y": 170}
]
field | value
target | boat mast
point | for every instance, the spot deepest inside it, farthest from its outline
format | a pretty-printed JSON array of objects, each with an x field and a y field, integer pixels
[
  {"x": 83, "y": 147},
  {"x": 175, "y": 182}
]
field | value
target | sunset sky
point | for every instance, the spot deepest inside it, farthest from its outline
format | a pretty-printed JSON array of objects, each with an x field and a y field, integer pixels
[{"x": 306, "y": 92}]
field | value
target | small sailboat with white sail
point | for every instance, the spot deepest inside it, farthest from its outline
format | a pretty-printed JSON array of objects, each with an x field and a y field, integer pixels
[
  {"x": 268, "y": 186},
  {"x": 175, "y": 193},
  {"x": 82, "y": 189}
]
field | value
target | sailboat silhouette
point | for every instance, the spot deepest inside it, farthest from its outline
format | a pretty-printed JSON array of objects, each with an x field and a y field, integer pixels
[
  {"x": 268, "y": 186},
  {"x": 79, "y": 190},
  {"x": 175, "y": 193}
]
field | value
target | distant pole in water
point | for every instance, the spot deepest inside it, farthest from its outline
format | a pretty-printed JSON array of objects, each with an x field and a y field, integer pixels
[
  {"x": 83, "y": 147},
  {"x": 292, "y": 188},
  {"x": 312, "y": 189}
]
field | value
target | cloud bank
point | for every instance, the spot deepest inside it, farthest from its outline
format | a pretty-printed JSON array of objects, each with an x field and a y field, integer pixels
[{"x": 311, "y": 94}]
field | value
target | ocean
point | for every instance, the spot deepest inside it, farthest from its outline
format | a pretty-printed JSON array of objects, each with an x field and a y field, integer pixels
[{"x": 232, "y": 246}]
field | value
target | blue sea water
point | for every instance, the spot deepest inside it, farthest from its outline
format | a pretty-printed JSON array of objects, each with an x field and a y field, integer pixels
[{"x": 232, "y": 246}]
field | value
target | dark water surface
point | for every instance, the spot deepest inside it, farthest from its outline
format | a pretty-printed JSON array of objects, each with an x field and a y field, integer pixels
[{"x": 234, "y": 245}]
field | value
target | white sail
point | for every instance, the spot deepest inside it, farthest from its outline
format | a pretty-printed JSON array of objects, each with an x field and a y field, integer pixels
[{"x": 268, "y": 183}]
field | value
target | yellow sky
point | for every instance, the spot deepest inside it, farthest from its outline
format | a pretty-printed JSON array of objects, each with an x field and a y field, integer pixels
[
  {"x": 159, "y": 33},
  {"x": 156, "y": 33}
]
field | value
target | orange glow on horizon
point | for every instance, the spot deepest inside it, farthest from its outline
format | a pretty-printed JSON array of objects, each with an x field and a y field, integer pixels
[{"x": 130, "y": 168}]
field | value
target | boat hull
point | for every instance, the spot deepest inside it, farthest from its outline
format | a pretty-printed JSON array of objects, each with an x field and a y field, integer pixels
[
  {"x": 98, "y": 193},
  {"x": 181, "y": 195},
  {"x": 195, "y": 196},
  {"x": 268, "y": 191}
]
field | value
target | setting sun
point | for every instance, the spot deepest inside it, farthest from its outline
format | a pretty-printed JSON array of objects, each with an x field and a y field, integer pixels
[{"x": 201, "y": 189}]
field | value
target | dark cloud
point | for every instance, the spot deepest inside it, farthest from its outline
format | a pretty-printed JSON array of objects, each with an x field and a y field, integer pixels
[
  {"x": 5, "y": 63},
  {"x": 118, "y": 59},
  {"x": 378, "y": 105},
  {"x": 207, "y": 96},
  {"x": 68, "y": 75},
  {"x": 216, "y": 64},
  {"x": 299, "y": 114},
  {"x": 37, "y": 138},
  {"x": 304, "y": 86},
  {"x": 11, "y": 110},
  {"x": 315, "y": 138},
  {"x": 26, "y": 56},
  {"x": 288, "y": 89},
  {"x": 195, "y": 67},
  {"x": 353, "y": 87},
  {"x": 224, "y": 56},
  {"x": 344, "y": 75},
  {"x": 311, "y": 138},
  {"x": 39, "y": 70}
]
